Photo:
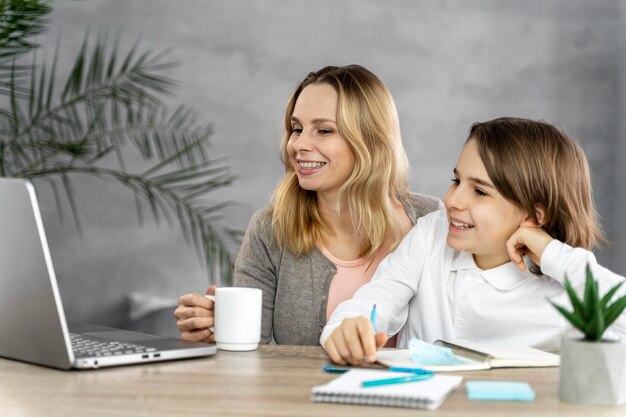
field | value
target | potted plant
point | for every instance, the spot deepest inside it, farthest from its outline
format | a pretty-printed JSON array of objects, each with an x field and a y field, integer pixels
[
  {"x": 111, "y": 108},
  {"x": 593, "y": 369}
]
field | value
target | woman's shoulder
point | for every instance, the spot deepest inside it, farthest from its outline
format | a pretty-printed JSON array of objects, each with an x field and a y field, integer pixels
[
  {"x": 261, "y": 223},
  {"x": 417, "y": 205}
]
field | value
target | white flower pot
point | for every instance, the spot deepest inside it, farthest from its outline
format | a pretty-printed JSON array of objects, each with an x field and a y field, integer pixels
[{"x": 593, "y": 372}]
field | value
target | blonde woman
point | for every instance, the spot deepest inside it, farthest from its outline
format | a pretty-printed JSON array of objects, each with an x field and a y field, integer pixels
[{"x": 342, "y": 205}]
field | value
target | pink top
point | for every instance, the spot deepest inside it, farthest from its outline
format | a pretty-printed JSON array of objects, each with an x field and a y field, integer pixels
[{"x": 350, "y": 276}]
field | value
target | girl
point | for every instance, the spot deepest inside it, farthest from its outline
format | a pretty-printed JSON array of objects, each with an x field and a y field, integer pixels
[
  {"x": 342, "y": 205},
  {"x": 520, "y": 187}
]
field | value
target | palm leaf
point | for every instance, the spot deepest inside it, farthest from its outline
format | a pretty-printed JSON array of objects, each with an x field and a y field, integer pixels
[{"x": 111, "y": 104}]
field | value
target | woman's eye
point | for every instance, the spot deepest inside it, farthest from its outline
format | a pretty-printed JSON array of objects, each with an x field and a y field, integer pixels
[
  {"x": 456, "y": 181},
  {"x": 296, "y": 130},
  {"x": 325, "y": 132}
]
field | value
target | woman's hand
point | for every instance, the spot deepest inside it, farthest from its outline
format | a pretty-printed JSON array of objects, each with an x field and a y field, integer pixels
[
  {"x": 195, "y": 315},
  {"x": 527, "y": 240},
  {"x": 354, "y": 342}
]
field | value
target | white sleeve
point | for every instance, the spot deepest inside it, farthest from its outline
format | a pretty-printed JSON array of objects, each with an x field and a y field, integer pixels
[
  {"x": 394, "y": 284},
  {"x": 560, "y": 260}
]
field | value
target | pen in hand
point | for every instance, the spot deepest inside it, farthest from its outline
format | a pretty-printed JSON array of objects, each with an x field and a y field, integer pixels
[
  {"x": 372, "y": 358},
  {"x": 373, "y": 318}
]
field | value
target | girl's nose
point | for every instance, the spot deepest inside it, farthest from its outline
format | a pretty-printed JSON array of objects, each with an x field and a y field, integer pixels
[{"x": 454, "y": 198}]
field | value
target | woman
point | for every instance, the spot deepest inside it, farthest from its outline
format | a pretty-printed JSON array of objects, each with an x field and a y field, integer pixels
[{"x": 342, "y": 205}]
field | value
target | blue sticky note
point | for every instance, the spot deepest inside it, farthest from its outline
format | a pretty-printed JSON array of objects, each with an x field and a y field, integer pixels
[{"x": 499, "y": 391}]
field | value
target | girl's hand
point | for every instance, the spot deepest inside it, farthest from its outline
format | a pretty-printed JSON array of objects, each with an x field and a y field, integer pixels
[
  {"x": 527, "y": 240},
  {"x": 354, "y": 342}
]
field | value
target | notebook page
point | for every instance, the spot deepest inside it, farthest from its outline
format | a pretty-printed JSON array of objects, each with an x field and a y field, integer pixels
[
  {"x": 514, "y": 356},
  {"x": 347, "y": 389},
  {"x": 402, "y": 358}
]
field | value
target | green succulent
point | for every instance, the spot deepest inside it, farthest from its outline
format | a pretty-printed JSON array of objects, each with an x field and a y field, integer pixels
[{"x": 593, "y": 314}]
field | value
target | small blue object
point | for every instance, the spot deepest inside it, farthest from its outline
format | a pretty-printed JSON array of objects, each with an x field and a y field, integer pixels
[
  {"x": 332, "y": 369},
  {"x": 417, "y": 371},
  {"x": 373, "y": 318},
  {"x": 399, "y": 380},
  {"x": 499, "y": 391},
  {"x": 426, "y": 354}
]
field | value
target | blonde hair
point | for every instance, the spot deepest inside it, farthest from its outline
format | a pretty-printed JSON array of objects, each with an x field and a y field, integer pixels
[
  {"x": 534, "y": 164},
  {"x": 368, "y": 120}
]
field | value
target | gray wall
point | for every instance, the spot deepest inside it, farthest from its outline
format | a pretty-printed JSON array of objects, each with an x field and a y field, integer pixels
[
  {"x": 619, "y": 150},
  {"x": 447, "y": 63}
]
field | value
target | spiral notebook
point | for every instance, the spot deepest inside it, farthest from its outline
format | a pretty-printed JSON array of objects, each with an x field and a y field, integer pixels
[
  {"x": 347, "y": 389},
  {"x": 474, "y": 356}
]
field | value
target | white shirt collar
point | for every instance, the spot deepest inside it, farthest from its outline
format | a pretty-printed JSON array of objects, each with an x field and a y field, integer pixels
[
  {"x": 462, "y": 260},
  {"x": 505, "y": 277}
]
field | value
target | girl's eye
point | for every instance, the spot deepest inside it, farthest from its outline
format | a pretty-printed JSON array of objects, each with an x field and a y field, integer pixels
[
  {"x": 480, "y": 192},
  {"x": 456, "y": 181},
  {"x": 325, "y": 132},
  {"x": 296, "y": 130}
]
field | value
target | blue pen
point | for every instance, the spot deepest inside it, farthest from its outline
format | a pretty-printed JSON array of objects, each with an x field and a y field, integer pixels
[
  {"x": 373, "y": 318},
  {"x": 332, "y": 369},
  {"x": 399, "y": 380},
  {"x": 417, "y": 371}
]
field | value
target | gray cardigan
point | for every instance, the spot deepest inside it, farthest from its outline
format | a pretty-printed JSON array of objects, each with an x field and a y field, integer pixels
[{"x": 295, "y": 288}]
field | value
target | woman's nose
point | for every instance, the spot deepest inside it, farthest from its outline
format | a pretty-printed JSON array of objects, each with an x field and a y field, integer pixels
[{"x": 303, "y": 142}]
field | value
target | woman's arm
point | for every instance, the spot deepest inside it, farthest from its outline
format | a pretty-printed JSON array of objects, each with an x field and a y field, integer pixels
[{"x": 257, "y": 267}]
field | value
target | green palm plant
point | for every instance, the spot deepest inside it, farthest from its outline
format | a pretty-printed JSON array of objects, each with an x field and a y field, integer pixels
[
  {"x": 110, "y": 106},
  {"x": 592, "y": 314}
]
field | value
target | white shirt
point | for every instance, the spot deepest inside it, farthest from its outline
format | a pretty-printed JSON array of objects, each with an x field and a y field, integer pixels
[{"x": 425, "y": 289}]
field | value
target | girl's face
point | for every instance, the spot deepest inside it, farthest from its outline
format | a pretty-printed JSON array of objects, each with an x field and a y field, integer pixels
[
  {"x": 320, "y": 156},
  {"x": 480, "y": 219}
]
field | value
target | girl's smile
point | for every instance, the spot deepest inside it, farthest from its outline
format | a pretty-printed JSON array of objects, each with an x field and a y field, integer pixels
[{"x": 481, "y": 220}]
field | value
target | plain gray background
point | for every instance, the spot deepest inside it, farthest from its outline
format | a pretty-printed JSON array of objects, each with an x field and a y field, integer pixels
[{"x": 447, "y": 64}]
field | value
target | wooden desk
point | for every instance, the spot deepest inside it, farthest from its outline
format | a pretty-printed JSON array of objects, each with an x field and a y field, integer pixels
[{"x": 272, "y": 381}]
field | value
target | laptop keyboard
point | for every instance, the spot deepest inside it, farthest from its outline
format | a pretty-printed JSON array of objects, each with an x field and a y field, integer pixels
[{"x": 91, "y": 346}]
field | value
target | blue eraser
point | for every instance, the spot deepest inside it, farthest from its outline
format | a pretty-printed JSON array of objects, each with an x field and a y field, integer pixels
[{"x": 499, "y": 391}]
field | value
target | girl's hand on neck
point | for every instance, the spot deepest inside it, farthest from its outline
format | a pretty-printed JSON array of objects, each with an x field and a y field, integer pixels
[{"x": 529, "y": 239}]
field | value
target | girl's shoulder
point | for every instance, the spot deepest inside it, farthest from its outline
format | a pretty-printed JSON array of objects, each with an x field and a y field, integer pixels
[{"x": 417, "y": 205}]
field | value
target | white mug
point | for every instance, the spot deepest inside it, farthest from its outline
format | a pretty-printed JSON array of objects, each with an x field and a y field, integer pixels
[{"x": 237, "y": 315}]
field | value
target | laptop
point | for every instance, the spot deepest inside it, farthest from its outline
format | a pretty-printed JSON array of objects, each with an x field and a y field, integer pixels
[{"x": 32, "y": 321}]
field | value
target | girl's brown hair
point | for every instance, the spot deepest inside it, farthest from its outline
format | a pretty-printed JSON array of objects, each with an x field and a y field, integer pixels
[
  {"x": 368, "y": 120},
  {"x": 533, "y": 164}
]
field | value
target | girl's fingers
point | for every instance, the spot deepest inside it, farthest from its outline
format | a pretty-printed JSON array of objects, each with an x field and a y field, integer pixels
[{"x": 333, "y": 353}]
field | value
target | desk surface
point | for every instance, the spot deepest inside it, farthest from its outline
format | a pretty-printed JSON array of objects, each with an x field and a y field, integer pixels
[{"x": 272, "y": 381}]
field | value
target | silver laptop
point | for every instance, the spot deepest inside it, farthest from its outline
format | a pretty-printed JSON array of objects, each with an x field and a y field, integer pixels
[{"x": 32, "y": 322}]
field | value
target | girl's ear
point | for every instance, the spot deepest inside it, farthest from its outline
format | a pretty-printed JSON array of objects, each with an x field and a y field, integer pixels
[{"x": 539, "y": 214}]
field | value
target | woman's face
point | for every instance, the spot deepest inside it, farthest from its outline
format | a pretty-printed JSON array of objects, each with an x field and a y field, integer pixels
[
  {"x": 321, "y": 157},
  {"x": 480, "y": 219}
]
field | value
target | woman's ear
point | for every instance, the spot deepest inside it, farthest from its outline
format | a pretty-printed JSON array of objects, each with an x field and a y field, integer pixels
[{"x": 529, "y": 221}]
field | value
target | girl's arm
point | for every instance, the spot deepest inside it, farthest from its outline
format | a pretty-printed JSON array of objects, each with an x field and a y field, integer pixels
[
  {"x": 559, "y": 260},
  {"x": 348, "y": 336}
]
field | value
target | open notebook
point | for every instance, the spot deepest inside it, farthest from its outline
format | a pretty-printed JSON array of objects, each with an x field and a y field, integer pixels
[
  {"x": 347, "y": 389},
  {"x": 474, "y": 356}
]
